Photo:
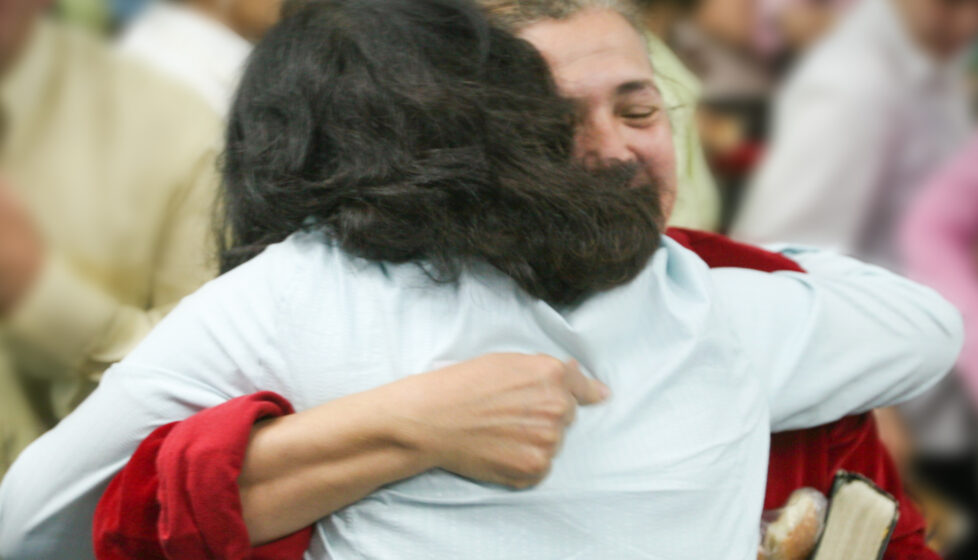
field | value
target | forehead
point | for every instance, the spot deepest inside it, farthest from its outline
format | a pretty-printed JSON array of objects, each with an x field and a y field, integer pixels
[{"x": 592, "y": 53}]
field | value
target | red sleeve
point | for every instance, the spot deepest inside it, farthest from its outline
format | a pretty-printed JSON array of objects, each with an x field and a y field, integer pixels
[
  {"x": 178, "y": 497},
  {"x": 811, "y": 457}
]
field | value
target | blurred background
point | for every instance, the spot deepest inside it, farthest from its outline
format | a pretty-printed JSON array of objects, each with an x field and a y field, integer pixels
[{"x": 846, "y": 124}]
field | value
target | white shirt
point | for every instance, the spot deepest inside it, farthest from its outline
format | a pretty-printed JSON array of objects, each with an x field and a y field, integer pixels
[
  {"x": 858, "y": 127},
  {"x": 702, "y": 364},
  {"x": 189, "y": 47}
]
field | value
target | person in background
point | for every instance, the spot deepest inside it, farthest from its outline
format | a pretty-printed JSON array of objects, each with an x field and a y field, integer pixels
[
  {"x": 939, "y": 242},
  {"x": 866, "y": 116},
  {"x": 200, "y": 43},
  {"x": 869, "y": 113},
  {"x": 107, "y": 184}
]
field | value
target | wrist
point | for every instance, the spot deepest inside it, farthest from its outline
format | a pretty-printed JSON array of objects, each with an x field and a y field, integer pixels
[{"x": 405, "y": 419}]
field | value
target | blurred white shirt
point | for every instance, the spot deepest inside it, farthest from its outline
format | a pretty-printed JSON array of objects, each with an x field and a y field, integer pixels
[
  {"x": 858, "y": 127},
  {"x": 190, "y": 47}
]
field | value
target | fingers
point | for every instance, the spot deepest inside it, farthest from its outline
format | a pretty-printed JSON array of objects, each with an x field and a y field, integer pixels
[
  {"x": 584, "y": 389},
  {"x": 571, "y": 412}
]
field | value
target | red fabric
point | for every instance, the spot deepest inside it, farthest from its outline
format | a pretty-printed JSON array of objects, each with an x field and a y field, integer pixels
[
  {"x": 178, "y": 495},
  {"x": 719, "y": 252},
  {"x": 125, "y": 519},
  {"x": 811, "y": 457},
  {"x": 178, "y": 498},
  {"x": 738, "y": 161}
]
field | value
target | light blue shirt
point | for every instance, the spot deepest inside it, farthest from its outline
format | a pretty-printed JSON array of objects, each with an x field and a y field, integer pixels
[{"x": 702, "y": 363}]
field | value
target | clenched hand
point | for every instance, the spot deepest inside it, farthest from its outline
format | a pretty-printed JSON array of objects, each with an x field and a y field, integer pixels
[{"x": 498, "y": 418}]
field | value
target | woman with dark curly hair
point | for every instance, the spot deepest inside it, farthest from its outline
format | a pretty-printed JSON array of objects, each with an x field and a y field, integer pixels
[{"x": 401, "y": 196}]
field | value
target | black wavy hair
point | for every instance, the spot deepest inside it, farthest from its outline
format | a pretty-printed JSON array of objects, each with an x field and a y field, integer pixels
[{"x": 415, "y": 131}]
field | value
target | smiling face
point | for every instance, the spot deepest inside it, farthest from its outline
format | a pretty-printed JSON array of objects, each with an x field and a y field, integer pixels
[{"x": 600, "y": 60}]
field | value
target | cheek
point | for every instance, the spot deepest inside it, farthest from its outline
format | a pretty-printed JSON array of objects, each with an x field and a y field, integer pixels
[{"x": 656, "y": 152}]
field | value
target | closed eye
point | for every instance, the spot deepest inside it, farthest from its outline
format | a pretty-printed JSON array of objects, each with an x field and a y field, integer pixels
[
  {"x": 639, "y": 114},
  {"x": 639, "y": 117}
]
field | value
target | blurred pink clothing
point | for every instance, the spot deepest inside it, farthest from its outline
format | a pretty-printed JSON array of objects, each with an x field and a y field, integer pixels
[{"x": 939, "y": 241}]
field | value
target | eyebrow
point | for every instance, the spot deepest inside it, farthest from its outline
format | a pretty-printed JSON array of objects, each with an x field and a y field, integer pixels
[{"x": 635, "y": 86}]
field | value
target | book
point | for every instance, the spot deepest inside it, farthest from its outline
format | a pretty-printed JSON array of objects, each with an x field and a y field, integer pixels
[{"x": 860, "y": 520}]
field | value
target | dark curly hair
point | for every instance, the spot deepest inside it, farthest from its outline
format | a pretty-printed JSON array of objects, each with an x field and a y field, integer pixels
[{"x": 414, "y": 131}]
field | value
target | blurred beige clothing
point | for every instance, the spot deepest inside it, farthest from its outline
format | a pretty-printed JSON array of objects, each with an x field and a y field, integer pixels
[
  {"x": 697, "y": 199},
  {"x": 117, "y": 166}
]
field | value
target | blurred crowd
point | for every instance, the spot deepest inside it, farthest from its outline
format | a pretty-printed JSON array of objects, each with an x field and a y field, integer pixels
[{"x": 846, "y": 124}]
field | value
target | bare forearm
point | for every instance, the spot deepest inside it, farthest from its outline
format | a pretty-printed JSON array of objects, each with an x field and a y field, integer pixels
[
  {"x": 302, "y": 467},
  {"x": 498, "y": 418}
]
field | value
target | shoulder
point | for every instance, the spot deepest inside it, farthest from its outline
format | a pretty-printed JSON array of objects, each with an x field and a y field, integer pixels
[{"x": 279, "y": 265}]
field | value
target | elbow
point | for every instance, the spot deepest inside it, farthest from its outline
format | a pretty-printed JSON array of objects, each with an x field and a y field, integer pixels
[{"x": 939, "y": 343}]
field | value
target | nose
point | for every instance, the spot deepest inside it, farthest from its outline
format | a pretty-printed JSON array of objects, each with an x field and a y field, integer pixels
[{"x": 601, "y": 141}]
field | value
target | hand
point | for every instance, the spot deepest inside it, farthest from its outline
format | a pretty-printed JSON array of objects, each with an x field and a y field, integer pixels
[
  {"x": 21, "y": 250},
  {"x": 498, "y": 418}
]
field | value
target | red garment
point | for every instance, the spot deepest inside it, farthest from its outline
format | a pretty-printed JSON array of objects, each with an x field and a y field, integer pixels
[
  {"x": 722, "y": 252},
  {"x": 178, "y": 497},
  {"x": 811, "y": 458}
]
